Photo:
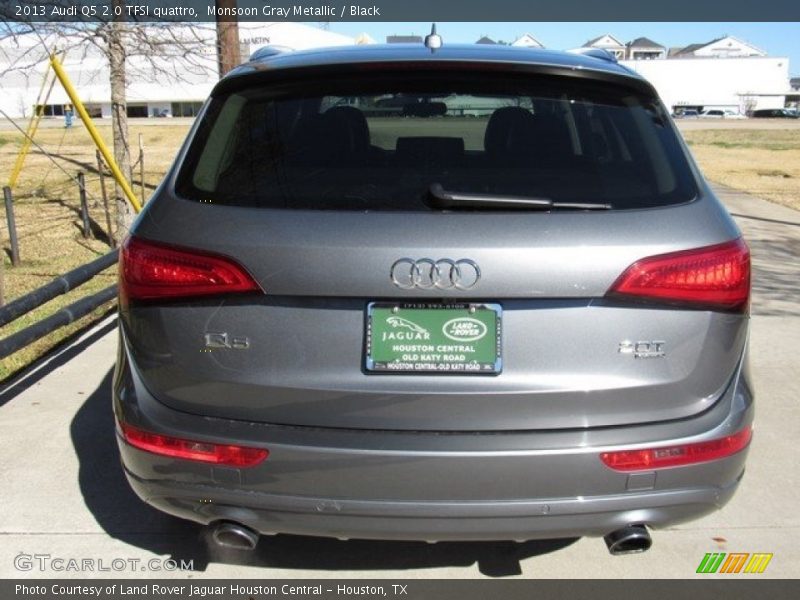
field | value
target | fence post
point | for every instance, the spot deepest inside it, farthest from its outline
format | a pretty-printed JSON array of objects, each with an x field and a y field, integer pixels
[
  {"x": 141, "y": 167},
  {"x": 12, "y": 226},
  {"x": 100, "y": 170},
  {"x": 87, "y": 231}
]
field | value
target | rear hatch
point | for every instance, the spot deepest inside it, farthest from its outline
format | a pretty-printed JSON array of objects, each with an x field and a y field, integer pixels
[{"x": 421, "y": 250}]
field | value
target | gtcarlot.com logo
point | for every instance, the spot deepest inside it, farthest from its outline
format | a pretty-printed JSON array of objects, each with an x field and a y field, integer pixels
[
  {"x": 48, "y": 562},
  {"x": 734, "y": 562}
]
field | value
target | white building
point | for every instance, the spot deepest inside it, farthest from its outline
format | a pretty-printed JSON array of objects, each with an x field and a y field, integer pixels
[
  {"x": 739, "y": 84},
  {"x": 154, "y": 89}
]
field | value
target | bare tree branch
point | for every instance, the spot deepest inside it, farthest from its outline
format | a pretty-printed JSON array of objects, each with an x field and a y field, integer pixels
[{"x": 167, "y": 54}]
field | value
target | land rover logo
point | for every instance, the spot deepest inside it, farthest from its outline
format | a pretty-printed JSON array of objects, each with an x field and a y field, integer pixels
[
  {"x": 442, "y": 274},
  {"x": 464, "y": 329}
]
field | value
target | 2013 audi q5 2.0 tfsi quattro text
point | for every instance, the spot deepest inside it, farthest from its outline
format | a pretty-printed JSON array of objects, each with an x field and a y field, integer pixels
[{"x": 465, "y": 294}]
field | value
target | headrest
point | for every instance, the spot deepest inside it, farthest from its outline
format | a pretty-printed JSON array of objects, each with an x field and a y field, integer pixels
[{"x": 509, "y": 130}]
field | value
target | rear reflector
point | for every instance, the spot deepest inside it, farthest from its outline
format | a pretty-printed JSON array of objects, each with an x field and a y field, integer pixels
[
  {"x": 677, "y": 456},
  {"x": 714, "y": 277},
  {"x": 149, "y": 270},
  {"x": 218, "y": 454}
]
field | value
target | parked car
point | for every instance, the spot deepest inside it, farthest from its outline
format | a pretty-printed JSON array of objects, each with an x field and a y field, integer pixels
[
  {"x": 531, "y": 325},
  {"x": 716, "y": 113},
  {"x": 712, "y": 114},
  {"x": 731, "y": 114},
  {"x": 773, "y": 113},
  {"x": 688, "y": 113}
]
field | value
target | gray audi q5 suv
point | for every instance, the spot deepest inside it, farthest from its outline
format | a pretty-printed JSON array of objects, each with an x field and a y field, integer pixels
[{"x": 466, "y": 294}]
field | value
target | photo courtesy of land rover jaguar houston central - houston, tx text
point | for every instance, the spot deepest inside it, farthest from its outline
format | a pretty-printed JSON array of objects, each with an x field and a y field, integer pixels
[{"x": 434, "y": 292}]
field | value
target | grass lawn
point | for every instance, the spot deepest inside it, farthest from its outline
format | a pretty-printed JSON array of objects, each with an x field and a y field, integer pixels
[
  {"x": 764, "y": 162},
  {"x": 46, "y": 206}
]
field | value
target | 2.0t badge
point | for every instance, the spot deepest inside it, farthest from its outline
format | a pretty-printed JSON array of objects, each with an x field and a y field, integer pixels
[{"x": 643, "y": 349}]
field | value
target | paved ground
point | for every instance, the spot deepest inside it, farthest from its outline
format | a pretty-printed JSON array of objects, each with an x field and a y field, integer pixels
[{"x": 63, "y": 494}]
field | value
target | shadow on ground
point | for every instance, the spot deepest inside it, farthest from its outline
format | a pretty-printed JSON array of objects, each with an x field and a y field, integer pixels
[
  {"x": 126, "y": 518},
  {"x": 775, "y": 248}
]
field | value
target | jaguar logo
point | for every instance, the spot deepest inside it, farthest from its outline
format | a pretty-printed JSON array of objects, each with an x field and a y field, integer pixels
[
  {"x": 400, "y": 322},
  {"x": 408, "y": 331}
]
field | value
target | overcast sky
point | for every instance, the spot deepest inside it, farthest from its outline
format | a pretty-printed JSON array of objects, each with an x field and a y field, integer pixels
[{"x": 777, "y": 39}]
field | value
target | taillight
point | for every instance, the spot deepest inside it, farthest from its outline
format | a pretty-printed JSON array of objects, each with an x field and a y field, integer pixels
[
  {"x": 677, "y": 456},
  {"x": 218, "y": 454},
  {"x": 150, "y": 270},
  {"x": 715, "y": 277}
]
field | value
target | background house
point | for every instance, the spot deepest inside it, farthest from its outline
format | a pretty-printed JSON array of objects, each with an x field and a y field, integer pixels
[
  {"x": 644, "y": 49},
  {"x": 723, "y": 47},
  {"x": 608, "y": 42},
  {"x": 526, "y": 40}
]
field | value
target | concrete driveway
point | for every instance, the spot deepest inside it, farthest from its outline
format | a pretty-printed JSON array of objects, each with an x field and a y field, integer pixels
[{"x": 63, "y": 494}]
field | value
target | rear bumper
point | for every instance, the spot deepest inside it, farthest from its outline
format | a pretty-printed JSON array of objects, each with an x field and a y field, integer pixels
[
  {"x": 340, "y": 518},
  {"x": 430, "y": 486}
]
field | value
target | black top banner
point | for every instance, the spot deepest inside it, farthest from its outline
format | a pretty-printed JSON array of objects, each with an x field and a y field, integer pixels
[{"x": 396, "y": 10}]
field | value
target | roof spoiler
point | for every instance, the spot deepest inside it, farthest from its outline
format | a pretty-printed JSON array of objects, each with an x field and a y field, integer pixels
[
  {"x": 598, "y": 53},
  {"x": 268, "y": 52}
]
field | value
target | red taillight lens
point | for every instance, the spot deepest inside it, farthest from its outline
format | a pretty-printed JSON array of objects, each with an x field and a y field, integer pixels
[
  {"x": 677, "y": 456},
  {"x": 713, "y": 277},
  {"x": 218, "y": 454},
  {"x": 149, "y": 270}
]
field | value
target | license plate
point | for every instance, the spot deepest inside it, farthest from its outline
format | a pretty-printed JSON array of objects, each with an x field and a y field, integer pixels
[{"x": 433, "y": 338}]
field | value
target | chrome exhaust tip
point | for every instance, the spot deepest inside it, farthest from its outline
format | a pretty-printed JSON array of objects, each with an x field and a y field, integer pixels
[
  {"x": 228, "y": 534},
  {"x": 628, "y": 540}
]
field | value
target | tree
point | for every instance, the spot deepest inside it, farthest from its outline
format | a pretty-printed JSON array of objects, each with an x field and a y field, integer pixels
[
  {"x": 165, "y": 53},
  {"x": 227, "y": 38},
  {"x": 22, "y": 106},
  {"x": 115, "y": 48},
  {"x": 747, "y": 104}
]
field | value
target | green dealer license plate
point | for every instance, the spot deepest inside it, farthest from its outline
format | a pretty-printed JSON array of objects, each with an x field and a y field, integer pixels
[{"x": 433, "y": 338}]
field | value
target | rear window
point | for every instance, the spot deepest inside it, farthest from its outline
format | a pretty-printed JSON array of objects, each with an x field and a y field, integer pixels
[{"x": 381, "y": 142}]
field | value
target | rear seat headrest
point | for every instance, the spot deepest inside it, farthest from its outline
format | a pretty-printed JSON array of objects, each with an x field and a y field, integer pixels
[{"x": 510, "y": 129}]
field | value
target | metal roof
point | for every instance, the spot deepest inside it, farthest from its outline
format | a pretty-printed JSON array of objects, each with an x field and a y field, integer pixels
[{"x": 643, "y": 42}]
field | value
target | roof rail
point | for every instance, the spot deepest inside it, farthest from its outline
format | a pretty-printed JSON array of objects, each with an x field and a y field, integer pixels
[
  {"x": 268, "y": 52},
  {"x": 598, "y": 53}
]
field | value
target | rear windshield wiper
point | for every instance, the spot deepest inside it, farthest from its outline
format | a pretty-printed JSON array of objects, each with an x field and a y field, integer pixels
[{"x": 438, "y": 197}]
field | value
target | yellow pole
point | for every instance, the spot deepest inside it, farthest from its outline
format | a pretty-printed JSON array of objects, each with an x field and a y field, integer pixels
[
  {"x": 98, "y": 141},
  {"x": 33, "y": 125}
]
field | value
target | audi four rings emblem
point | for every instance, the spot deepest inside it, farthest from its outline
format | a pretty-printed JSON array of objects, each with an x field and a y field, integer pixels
[{"x": 428, "y": 274}]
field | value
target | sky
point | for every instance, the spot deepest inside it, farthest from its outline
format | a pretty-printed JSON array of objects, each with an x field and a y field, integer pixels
[{"x": 777, "y": 39}]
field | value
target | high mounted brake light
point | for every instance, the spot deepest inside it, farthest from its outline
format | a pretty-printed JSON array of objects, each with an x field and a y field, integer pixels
[
  {"x": 150, "y": 270},
  {"x": 713, "y": 277}
]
